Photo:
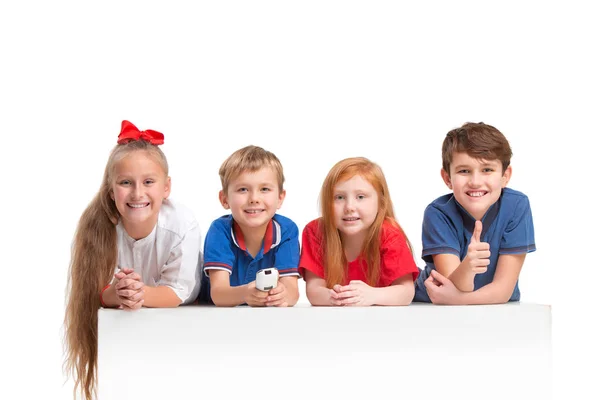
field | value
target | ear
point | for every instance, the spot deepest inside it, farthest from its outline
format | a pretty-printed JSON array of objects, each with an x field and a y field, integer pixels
[
  {"x": 167, "y": 188},
  {"x": 446, "y": 178},
  {"x": 223, "y": 200},
  {"x": 506, "y": 176},
  {"x": 281, "y": 198}
]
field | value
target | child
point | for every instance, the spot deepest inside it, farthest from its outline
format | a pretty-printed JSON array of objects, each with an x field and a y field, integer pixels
[
  {"x": 253, "y": 236},
  {"x": 476, "y": 238},
  {"x": 132, "y": 228},
  {"x": 356, "y": 254}
]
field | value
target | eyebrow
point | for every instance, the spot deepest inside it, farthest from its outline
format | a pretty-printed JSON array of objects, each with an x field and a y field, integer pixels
[
  {"x": 259, "y": 184},
  {"x": 144, "y": 176}
]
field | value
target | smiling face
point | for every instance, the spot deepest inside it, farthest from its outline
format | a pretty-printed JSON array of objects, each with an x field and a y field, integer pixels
[
  {"x": 355, "y": 206},
  {"x": 139, "y": 187},
  {"x": 476, "y": 184},
  {"x": 253, "y": 198}
]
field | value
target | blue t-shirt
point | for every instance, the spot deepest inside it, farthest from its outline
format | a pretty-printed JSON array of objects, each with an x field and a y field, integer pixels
[
  {"x": 225, "y": 249},
  {"x": 448, "y": 227}
]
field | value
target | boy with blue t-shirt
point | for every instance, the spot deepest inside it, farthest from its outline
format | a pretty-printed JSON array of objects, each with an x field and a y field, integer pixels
[
  {"x": 476, "y": 238},
  {"x": 252, "y": 237}
]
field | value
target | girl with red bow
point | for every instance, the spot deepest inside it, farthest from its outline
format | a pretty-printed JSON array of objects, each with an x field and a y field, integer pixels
[{"x": 133, "y": 247}]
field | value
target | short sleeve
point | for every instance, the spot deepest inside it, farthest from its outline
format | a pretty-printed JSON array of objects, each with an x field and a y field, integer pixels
[
  {"x": 439, "y": 234},
  {"x": 310, "y": 256},
  {"x": 396, "y": 258},
  {"x": 182, "y": 269},
  {"x": 218, "y": 251},
  {"x": 287, "y": 253},
  {"x": 518, "y": 237}
]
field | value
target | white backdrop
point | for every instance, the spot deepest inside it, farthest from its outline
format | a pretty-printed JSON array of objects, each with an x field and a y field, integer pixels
[{"x": 314, "y": 82}]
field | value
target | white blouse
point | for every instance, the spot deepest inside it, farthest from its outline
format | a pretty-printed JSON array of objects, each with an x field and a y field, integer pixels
[{"x": 170, "y": 256}]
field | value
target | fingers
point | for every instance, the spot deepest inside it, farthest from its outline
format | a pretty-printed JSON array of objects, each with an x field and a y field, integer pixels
[
  {"x": 352, "y": 301},
  {"x": 134, "y": 295},
  {"x": 276, "y": 290},
  {"x": 477, "y": 232},
  {"x": 429, "y": 285},
  {"x": 129, "y": 305},
  {"x": 347, "y": 294},
  {"x": 439, "y": 277},
  {"x": 256, "y": 297},
  {"x": 337, "y": 288},
  {"x": 127, "y": 271},
  {"x": 275, "y": 299},
  {"x": 127, "y": 283}
]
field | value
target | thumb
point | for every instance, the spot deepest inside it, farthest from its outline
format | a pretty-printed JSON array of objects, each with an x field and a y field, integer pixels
[{"x": 477, "y": 232}]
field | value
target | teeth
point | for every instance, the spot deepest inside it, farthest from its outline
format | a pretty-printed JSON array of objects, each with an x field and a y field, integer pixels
[
  {"x": 253, "y": 211},
  {"x": 351, "y": 219},
  {"x": 476, "y": 194},
  {"x": 137, "y": 205}
]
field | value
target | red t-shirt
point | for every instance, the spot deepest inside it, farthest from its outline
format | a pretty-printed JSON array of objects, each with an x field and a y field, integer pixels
[{"x": 396, "y": 258}]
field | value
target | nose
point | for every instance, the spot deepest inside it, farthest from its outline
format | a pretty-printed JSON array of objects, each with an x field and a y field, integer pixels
[
  {"x": 350, "y": 206},
  {"x": 138, "y": 191},
  {"x": 253, "y": 197},
  {"x": 475, "y": 179}
]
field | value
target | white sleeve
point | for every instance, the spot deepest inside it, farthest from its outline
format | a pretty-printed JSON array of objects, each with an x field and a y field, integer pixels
[{"x": 182, "y": 270}]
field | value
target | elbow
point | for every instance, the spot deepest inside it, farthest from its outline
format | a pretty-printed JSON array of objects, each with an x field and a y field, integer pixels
[
  {"x": 407, "y": 295},
  {"x": 216, "y": 298},
  {"x": 313, "y": 298}
]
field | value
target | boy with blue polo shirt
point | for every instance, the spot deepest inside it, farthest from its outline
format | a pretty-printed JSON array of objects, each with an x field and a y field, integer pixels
[
  {"x": 476, "y": 238},
  {"x": 253, "y": 236}
]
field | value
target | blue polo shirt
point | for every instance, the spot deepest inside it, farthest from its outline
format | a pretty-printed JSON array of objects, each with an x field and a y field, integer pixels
[
  {"x": 448, "y": 227},
  {"x": 225, "y": 249}
]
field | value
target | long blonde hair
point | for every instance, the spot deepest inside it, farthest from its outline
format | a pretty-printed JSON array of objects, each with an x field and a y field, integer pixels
[
  {"x": 93, "y": 262},
  {"x": 334, "y": 258}
]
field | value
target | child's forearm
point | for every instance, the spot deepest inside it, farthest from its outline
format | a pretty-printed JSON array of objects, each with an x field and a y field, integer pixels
[
  {"x": 291, "y": 291},
  {"x": 318, "y": 295},
  {"x": 463, "y": 277},
  {"x": 109, "y": 297},
  {"x": 228, "y": 296},
  {"x": 160, "y": 297},
  {"x": 395, "y": 295},
  {"x": 492, "y": 293}
]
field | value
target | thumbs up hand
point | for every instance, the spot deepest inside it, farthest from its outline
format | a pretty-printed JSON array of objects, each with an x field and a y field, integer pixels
[{"x": 478, "y": 253}]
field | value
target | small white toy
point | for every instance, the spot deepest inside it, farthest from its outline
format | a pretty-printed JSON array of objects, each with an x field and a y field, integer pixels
[{"x": 266, "y": 279}]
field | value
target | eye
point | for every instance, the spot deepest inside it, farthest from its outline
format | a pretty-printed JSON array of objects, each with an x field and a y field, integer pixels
[
  {"x": 361, "y": 197},
  {"x": 242, "y": 190},
  {"x": 125, "y": 182},
  {"x": 488, "y": 170},
  {"x": 338, "y": 197},
  {"x": 462, "y": 171},
  {"x": 148, "y": 181},
  {"x": 265, "y": 189}
]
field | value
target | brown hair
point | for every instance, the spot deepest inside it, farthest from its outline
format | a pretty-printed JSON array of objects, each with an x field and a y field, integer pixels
[
  {"x": 334, "y": 258},
  {"x": 249, "y": 159},
  {"x": 479, "y": 141},
  {"x": 93, "y": 262}
]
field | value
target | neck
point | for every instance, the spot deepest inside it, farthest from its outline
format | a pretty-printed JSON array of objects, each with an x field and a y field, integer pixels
[
  {"x": 141, "y": 230},
  {"x": 253, "y": 238},
  {"x": 353, "y": 245}
]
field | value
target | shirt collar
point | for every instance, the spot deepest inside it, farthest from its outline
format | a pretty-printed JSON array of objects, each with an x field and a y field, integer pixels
[
  {"x": 271, "y": 239},
  {"x": 489, "y": 216}
]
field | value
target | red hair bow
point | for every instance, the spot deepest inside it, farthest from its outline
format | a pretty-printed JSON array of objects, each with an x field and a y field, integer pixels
[{"x": 130, "y": 132}]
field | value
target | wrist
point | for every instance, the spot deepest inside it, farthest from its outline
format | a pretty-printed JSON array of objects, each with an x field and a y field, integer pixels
[{"x": 108, "y": 297}]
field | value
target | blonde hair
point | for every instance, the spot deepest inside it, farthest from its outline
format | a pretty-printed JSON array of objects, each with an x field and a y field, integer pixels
[
  {"x": 249, "y": 159},
  {"x": 334, "y": 258},
  {"x": 93, "y": 261}
]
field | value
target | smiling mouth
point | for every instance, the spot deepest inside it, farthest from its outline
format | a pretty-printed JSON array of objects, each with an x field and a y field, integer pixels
[
  {"x": 350, "y": 219},
  {"x": 477, "y": 194},
  {"x": 137, "y": 205},
  {"x": 253, "y": 211}
]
